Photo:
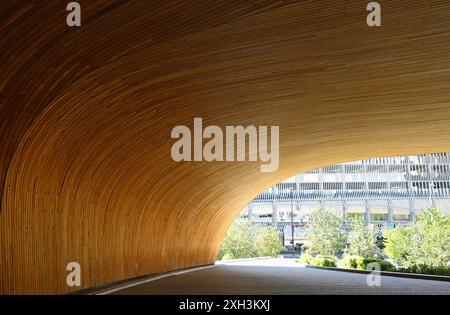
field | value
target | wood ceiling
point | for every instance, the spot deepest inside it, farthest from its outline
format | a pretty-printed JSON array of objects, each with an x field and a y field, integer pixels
[{"x": 86, "y": 116}]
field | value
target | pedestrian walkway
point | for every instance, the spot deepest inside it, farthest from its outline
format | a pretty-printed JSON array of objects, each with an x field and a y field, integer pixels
[{"x": 279, "y": 276}]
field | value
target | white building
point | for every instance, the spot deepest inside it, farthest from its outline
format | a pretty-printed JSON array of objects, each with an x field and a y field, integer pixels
[{"x": 382, "y": 191}]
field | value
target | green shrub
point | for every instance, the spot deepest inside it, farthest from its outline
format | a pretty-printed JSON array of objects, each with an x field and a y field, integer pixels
[
  {"x": 384, "y": 265},
  {"x": 320, "y": 261},
  {"x": 350, "y": 262},
  {"x": 429, "y": 270},
  {"x": 323, "y": 262},
  {"x": 361, "y": 263},
  {"x": 305, "y": 258}
]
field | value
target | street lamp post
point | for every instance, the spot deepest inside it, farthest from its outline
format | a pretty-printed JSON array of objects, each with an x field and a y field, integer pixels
[
  {"x": 292, "y": 219},
  {"x": 431, "y": 191}
]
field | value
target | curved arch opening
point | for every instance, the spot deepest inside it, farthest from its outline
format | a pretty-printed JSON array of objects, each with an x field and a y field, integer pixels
[{"x": 387, "y": 211}]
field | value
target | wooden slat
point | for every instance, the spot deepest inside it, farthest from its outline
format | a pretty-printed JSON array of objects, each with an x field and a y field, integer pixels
[{"x": 86, "y": 116}]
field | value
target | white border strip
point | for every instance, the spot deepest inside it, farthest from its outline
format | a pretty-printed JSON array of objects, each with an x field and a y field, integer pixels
[
  {"x": 166, "y": 275},
  {"x": 232, "y": 261}
]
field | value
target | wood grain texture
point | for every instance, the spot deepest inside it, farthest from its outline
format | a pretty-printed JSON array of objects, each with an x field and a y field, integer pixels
[{"x": 86, "y": 116}]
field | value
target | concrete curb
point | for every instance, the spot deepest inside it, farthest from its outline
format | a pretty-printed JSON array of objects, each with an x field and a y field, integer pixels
[
  {"x": 124, "y": 284},
  {"x": 222, "y": 262},
  {"x": 386, "y": 273}
]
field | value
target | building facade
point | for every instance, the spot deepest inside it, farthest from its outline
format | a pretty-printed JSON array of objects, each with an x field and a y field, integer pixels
[{"x": 382, "y": 191}]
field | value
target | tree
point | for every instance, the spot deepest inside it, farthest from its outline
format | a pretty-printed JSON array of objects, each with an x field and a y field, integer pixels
[
  {"x": 431, "y": 238},
  {"x": 243, "y": 240},
  {"x": 327, "y": 234},
  {"x": 238, "y": 242},
  {"x": 424, "y": 243},
  {"x": 267, "y": 242},
  {"x": 362, "y": 241},
  {"x": 398, "y": 245}
]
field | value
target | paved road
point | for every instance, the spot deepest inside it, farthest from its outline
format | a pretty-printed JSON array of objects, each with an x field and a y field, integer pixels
[{"x": 279, "y": 276}]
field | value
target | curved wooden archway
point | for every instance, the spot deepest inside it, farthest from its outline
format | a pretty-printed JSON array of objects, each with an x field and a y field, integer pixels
[{"x": 86, "y": 116}]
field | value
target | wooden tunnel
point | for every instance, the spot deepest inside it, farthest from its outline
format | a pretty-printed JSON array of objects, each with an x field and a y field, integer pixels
[{"x": 86, "y": 114}]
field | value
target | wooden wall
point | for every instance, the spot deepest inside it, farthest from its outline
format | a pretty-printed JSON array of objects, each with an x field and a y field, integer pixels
[{"x": 86, "y": 116}]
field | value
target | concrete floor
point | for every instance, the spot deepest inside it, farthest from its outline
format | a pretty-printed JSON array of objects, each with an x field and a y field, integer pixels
[{"x": 279, "y": 276}]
